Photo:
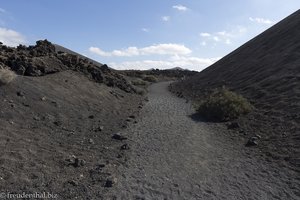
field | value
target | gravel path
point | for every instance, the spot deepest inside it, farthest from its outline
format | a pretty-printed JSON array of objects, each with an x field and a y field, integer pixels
[{"x": 174, "y": 157}]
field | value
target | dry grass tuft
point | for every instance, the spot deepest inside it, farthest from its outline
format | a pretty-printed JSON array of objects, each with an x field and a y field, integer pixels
[
  {"x": 6, "y": 76},
  {"x": 150, "y": 78},
  {"x": 138, "y": 82}
]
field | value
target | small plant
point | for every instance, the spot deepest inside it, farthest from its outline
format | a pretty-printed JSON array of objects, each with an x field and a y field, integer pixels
[
  {"x": 150, "y": 78},
  {"x": 6, "y": 76},
  {"x": 138, "y": 82},
  {"x": 223, "y": 105},
  {"x": 140, "y": 91}
]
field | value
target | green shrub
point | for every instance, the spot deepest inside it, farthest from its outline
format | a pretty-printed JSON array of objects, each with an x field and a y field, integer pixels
[
  {"x": 223, "y": 105},
  {"x": 138, "y": 82},
  {"x": 150, "y": 78}
]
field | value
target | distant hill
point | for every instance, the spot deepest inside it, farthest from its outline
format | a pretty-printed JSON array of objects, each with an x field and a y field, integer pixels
[
  {"x": 177, "y": 68},
  {"x": 59, "y": 48},
  {"x": 174, "y": 68},
  {"x": 164, "y": 74}
]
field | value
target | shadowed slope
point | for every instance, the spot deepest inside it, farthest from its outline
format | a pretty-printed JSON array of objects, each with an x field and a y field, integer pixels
[{"x": 266, "y": 70}]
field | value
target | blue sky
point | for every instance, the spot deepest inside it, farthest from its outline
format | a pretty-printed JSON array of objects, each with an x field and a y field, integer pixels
[{"x": 142, "y": 34}]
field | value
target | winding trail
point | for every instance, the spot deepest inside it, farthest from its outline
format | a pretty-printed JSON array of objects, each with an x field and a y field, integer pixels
[{"x": 174, "y": 157}]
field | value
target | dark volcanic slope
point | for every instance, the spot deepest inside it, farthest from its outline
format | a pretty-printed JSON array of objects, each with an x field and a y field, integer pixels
[
  {"x": 266, "y": 70},
  {"x": 43, "y": 59},
  {"x": 57, "y": 119},
  {"x": 59, "y": 48},
  {"x": 47, "y": 122}
]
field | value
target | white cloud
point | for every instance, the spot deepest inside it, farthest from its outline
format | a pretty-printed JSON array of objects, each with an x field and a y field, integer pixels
[
  {"x": 225, "y": 37},
  {"x": 165, "y": 18},
  {"x": 221, "y": 33},
  {"x": 10, "y": 37},
  {"x": 98, "y": 51},
  {"x": 261, "y": 20},
  {"x": 166, "y": 49},
  {"x": 227, "y": 41},
  {"x": 193, "y": 63},
  {"x": 158, "y": 49},
  {"x": 241, "y": 30},
  {"x": 2, "y": 10},
  {"x": 180, "y": 7},
  {"x": 163, "y": 56},
  {"x": 130, "y": 51},
  {"x": 216, "y": 38},
  {"x": 204, "y": 34},
  {"x": 145, "y": 30}
]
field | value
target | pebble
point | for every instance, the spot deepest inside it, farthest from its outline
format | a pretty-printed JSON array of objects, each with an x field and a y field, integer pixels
[
  {"x": 100, "y": 166},
  {"x": 73, "y": 182},
  {"x": 252, "y": 141},
  {"x": 100, "y": 128},
  {"x": 91, "y": 141},
  {"x": 110, "y": 182},
  {"x": 57, "y": 123},
  {"x": 36, "y": 118},
  {"x": 20, "y": 94},
  {"x": 25, "y": 104},
  {"x": 118, "y": 136},
  {"x": 125, "y": 147},
  {"x": 128, "y": 119},
  {"x": 75, "y": 162},
  {"x": 132, "y": 117}
]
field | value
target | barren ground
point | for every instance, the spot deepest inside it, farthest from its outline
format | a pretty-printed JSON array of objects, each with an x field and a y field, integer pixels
[
  {"x": 48, "y": 122},
  {"x": 174, "y": 156}
]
